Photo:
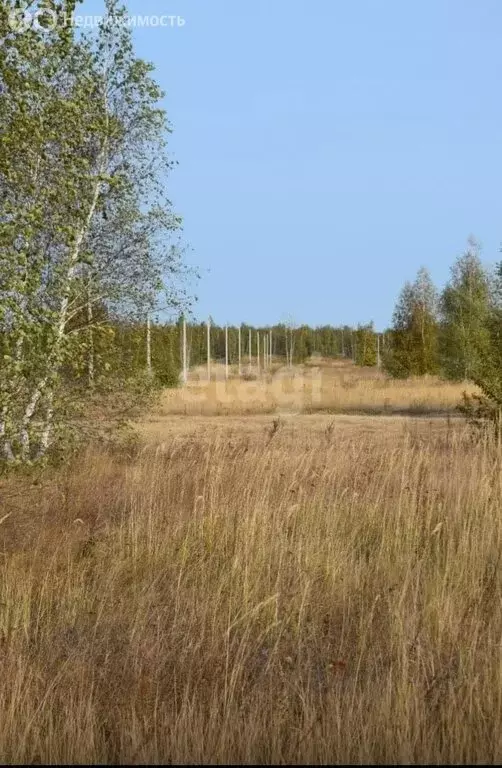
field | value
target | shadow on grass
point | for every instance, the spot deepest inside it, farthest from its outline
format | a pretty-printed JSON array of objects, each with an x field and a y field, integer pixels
[{"x": 385, "y": 410}]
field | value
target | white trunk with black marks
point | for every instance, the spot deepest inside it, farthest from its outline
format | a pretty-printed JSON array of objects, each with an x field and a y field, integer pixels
[
  {"x": 24, "y": 436},
  {"x": 73, "y": 260},
  {"x": 19, "y": 345},
  {"x": 4, "y": 442},
  {"x": 54, "y": 357}
]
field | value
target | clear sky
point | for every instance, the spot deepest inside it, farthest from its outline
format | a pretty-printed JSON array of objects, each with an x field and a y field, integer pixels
[{"x": 329, "y": 148}]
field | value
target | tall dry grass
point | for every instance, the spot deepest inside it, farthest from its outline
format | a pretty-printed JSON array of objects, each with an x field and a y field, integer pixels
[
  {"x": 254, "y": 599},
  {"x": 321, "y": 386}
]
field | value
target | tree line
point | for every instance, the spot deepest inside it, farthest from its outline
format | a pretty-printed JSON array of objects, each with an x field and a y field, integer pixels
[
  {"x": 455, "y": 333},
  {"x": 91, "y": 250},
  {"x": 131, "y": 345}
]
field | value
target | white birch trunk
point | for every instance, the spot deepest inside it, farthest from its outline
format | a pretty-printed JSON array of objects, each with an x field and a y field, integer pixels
[
  {"x": 4, "y": 442},
  {"x": 54, "y": 357},
  {"x": 185, "y": 372},
  {"x": 240, "y": 351},
  {"x": 148, "y": 345},
  {"x": 45, "y": 438},
  {"x": 30, "y": 409},
  {"x": 209, "y": 350}
]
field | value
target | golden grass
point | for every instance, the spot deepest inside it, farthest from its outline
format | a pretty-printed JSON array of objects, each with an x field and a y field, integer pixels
[
  {"x": 258, "y": 597},
  {"x": 335, "y": 387}
]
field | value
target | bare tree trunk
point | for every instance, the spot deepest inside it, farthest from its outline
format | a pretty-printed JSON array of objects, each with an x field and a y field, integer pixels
[
  {"x": 45, "y": 439},
  {"x": 240, "y": 351},
  {"x": 209, "y": 350},
  {"x": 289, "y": 346},
  {"x": 90, "y": 359},
  {"x": 4, "y": 442},
  {"x": 148, "y": 345},
  {"x": 54, "y": 357},
  {"x": 28, "y": 415},
  {"x": 185, "y": 372}
]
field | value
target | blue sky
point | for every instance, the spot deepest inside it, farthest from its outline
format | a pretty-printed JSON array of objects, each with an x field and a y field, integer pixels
[{"x": 328, "y": 148}]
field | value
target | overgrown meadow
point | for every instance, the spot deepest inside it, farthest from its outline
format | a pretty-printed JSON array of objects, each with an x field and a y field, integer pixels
[{"x": 294, "y": 590}]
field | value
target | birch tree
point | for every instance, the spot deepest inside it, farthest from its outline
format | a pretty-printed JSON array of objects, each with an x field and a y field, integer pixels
[
  {"x": 413, "y": 347},
  {"x": 465, "y": 311},
  {"x": 82, "y": 170}
]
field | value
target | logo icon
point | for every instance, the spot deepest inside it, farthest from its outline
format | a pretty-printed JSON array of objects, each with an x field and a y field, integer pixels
[
  {"x": 20, "y": 21},
  {"x": 43, "y": 19}
]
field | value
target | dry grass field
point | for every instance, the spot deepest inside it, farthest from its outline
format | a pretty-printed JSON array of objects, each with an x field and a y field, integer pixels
[
  {"x": 327, "y": 386},
  {"x": 259, "y": 588}
]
